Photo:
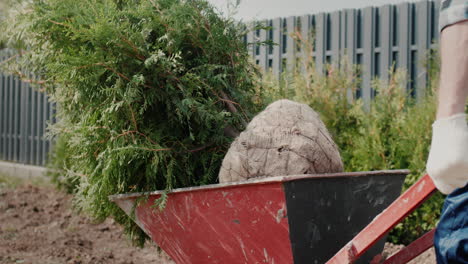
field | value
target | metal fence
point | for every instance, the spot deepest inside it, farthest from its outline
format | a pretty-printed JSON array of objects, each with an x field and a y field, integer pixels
[
  {"x": 24, "y": 113},
  {"x": 373, "y": 37}
]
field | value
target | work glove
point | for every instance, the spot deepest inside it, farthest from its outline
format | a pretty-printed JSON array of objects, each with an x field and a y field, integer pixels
[{"x": 448, "y": 158}]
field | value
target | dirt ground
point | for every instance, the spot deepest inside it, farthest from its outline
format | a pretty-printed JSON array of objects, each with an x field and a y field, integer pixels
[
  {"x": 427, "y": 257},
  {"x": 37, "y": 225}
]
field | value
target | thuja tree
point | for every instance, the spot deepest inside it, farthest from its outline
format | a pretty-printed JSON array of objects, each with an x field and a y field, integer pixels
[{"x": 150, "y": 92}]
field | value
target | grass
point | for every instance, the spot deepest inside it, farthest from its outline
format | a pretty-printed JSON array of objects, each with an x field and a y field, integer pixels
[
  {"x": 7, "y": 181},
  {"x": 11, "y": 182}
]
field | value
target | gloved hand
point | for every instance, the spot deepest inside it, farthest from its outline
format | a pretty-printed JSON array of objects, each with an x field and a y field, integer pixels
[{"x": 448, "y": 158}]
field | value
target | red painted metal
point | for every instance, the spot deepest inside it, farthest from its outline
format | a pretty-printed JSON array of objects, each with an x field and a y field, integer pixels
[
  {"x": 244, "y": 222},
  {"x": 384, "y": 222},
  {"x": 412, "y": 250},
  {"x": 240, "y": 224}
]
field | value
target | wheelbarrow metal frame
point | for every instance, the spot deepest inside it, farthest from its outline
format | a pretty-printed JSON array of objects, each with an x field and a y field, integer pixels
[{"x": 383, "y": 223}]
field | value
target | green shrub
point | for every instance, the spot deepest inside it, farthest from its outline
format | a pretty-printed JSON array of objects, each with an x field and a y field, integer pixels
[
  {"x": 150, "y": 93},
  {"x": 393, "y": 131},
  {"x": 58, "y": 161}
]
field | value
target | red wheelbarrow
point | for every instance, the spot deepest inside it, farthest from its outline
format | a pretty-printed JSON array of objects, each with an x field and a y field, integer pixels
[{"x": 290, "y": 219}]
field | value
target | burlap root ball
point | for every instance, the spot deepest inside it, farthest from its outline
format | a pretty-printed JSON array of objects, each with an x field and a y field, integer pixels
[{"x": 287, "y": 138}]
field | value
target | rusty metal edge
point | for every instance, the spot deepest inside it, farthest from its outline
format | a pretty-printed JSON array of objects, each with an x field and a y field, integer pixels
[{"x": 262, "y": 181}]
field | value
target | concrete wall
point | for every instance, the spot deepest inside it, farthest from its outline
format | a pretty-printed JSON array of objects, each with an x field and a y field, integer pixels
[{"x": 22, "y": 171}]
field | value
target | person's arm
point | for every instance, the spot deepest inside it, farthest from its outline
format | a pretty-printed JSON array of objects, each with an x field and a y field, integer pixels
[
  {"x": 453, "y": 88},
  {"x": 448, "y": 158}
]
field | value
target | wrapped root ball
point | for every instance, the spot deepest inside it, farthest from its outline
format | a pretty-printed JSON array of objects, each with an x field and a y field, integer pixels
[{"x": 287, "y": 138}]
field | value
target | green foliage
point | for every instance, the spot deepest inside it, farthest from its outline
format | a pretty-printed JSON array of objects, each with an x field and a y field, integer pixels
[
  {"x": 393, "y": 131},
  {"x": 148, "y": 92},
  {"x": 57, "y": 162},
  {"x": 7, "y": 182},
  {"x": 7, "y": 9}
]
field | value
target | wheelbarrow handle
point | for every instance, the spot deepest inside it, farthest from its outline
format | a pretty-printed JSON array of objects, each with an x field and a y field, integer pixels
[
  {"x": 385, "y": 221},
  {"x": 413, "y": 250}
]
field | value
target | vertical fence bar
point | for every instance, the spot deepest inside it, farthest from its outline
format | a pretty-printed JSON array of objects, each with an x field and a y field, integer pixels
[
  {"x": 45, "y": 111},
  {"x": 256, "y": 47},
  {"x": 32, "y": 134},
  {"x": 6, "y": 116},
  {"x": 52, "y": 121},
  {"x": 350, "y": 39},
  {"x": 320, "y": 41},
  {"x": 413, "y": 55},
  {"x": 423, "y": 43},
  {"x": 351, "y": 35},
  {"x": 359, "y": 32},
  {"x": 313, "y": 37},
  {"x": 291, "y": 47},
  {"x": 403, "y": 35},
  {"x": 284, "y": 44},
  {"x": 305, "y": 30},
  {"x": 263, "y": 48},
  {"x": 328, "y": 39},
  {"x": 38, "y": 128},
  {"x": 277, "y": 48},
  {"x": 21, "y": 121},
  {"x": 16, "y": 118},
  {"x": 10, "y": 118},
  {"x": 305, "y": 41},
  {"x": 377, "y": 44},
  {"x": 23, "y": 127},
  {"x": 29, "y": 123},
  {"x": 250, "y": 41},
  {"x": 343, "y": 31},
  {"x": 385, "y": 47},
  {"x": 435, "y": 20},
  {"x": 368, "y": 46},
  {"x": 335, "y": 37}
]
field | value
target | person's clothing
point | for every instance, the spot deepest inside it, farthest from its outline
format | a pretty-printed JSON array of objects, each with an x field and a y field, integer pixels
[
  {"x": 447, "y": 163},
  {"x": 451, "y": 237},
  {"x": 451, "y": 12}
]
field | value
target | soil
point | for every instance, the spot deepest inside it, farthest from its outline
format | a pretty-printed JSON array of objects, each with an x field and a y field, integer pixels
[
  {"x": 37, "y": 225},
  {"x": 427, "y": 257}
]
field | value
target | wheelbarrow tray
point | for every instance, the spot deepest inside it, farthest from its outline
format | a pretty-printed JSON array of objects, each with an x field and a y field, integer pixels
[{"x": 290, "y": 219}]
